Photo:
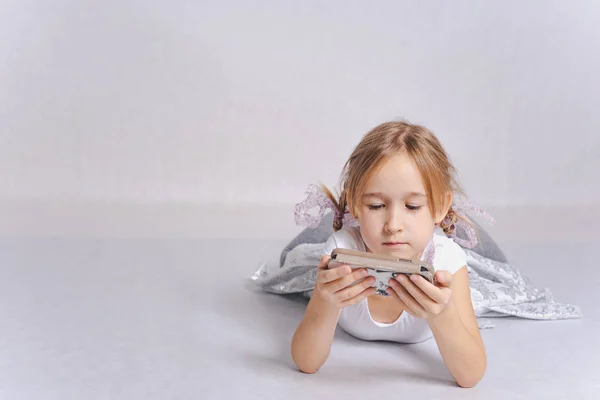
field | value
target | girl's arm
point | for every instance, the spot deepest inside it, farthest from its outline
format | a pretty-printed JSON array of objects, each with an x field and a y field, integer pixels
[
  {"x": 457, "y": 334},
  {"x": 449, "y": 312},
  {"x": 313, "y": 337}
]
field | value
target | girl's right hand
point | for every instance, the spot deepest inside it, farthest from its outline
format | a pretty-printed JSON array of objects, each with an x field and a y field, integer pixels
[{"x": 334, "y": 285}]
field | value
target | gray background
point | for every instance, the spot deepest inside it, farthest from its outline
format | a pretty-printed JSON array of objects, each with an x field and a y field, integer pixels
[
  {"x": 151, "y": 154},
  {"x": 249, "y": 101}
]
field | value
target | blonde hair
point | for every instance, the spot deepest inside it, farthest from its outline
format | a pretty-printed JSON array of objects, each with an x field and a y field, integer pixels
[{"x": 384, "y": 141}]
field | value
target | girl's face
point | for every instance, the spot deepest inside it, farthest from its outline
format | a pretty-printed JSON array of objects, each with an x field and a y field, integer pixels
[{"x": 393, "y": 212}]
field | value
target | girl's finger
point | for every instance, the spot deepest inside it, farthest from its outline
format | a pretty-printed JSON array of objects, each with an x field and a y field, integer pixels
[
  {"x": 407, "y": 299},
  {"x": 330, "y": 275},
  {"x": 430, "y": 290},
  {"x": 370, "y": 291},
  {"x": 425, "y": 301},
  {"x": 324, "y": 261},
  {"x": 394, "y": 295},
  {"x": 348, "y": 280},
  {"x": 444, "y": 278},
  {"x": 352, "y": 291}
]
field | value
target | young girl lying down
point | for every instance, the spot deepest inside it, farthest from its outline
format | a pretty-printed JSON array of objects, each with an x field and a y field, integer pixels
[{"x": 397, "y": 193}]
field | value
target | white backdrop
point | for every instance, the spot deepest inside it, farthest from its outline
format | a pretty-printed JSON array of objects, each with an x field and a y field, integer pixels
[{"x": 237, "y": 102}]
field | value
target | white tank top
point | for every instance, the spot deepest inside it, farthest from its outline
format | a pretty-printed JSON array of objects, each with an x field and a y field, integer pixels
[{"x": 356, "y": 319}]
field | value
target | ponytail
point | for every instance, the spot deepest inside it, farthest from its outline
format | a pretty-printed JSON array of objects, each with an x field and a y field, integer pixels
[
  {"x": 448, "y": 224},
  {"x": 340, "y": 207}
]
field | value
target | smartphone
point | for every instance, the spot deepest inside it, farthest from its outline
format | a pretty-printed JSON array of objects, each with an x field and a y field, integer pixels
[{"x": 378, "y": 264}]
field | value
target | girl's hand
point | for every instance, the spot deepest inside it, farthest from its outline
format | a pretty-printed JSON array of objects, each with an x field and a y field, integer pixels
[
  {"x": 336, "y": 285},
  {"x": 421, "y": 298}
]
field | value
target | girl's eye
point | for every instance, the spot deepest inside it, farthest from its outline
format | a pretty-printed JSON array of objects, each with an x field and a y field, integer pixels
[
  {"x": 412, "y": 208},
  {"x": 375, "y": 206}
]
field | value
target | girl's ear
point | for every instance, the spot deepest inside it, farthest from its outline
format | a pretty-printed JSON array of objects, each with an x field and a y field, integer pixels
[{"x": 446, "y": 205}]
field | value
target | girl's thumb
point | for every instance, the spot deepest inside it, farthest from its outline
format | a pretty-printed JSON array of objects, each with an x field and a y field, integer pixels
[{"x": 444, "y": 278}]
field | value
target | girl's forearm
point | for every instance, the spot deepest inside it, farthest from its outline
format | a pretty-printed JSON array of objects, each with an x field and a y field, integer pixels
[
  {"x": 463, "y": 354},
  {"x": 313, "y": 337}
]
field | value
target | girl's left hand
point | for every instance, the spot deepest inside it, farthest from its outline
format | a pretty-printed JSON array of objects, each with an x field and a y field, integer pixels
[{"x": 421, "y": 298}]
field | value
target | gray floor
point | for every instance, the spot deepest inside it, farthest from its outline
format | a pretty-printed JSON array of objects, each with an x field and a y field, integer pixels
[{"x": 174, "y": 318}]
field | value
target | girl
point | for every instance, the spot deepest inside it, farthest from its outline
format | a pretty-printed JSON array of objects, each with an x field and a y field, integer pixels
[{"x": 398, "y": 186}]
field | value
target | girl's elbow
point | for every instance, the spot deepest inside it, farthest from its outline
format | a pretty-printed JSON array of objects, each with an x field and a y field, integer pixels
[
  {"x": 304, "y": 364},
  {"x": 468, "y": 382},
  {"x": 305, "y": 367},
  {"x": 309, "y": 370}
]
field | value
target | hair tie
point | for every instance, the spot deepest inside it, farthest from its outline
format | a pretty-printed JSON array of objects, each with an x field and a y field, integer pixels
[
  {"x": 461, "y": 209},
  {"x": 315, "y": 197}
]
